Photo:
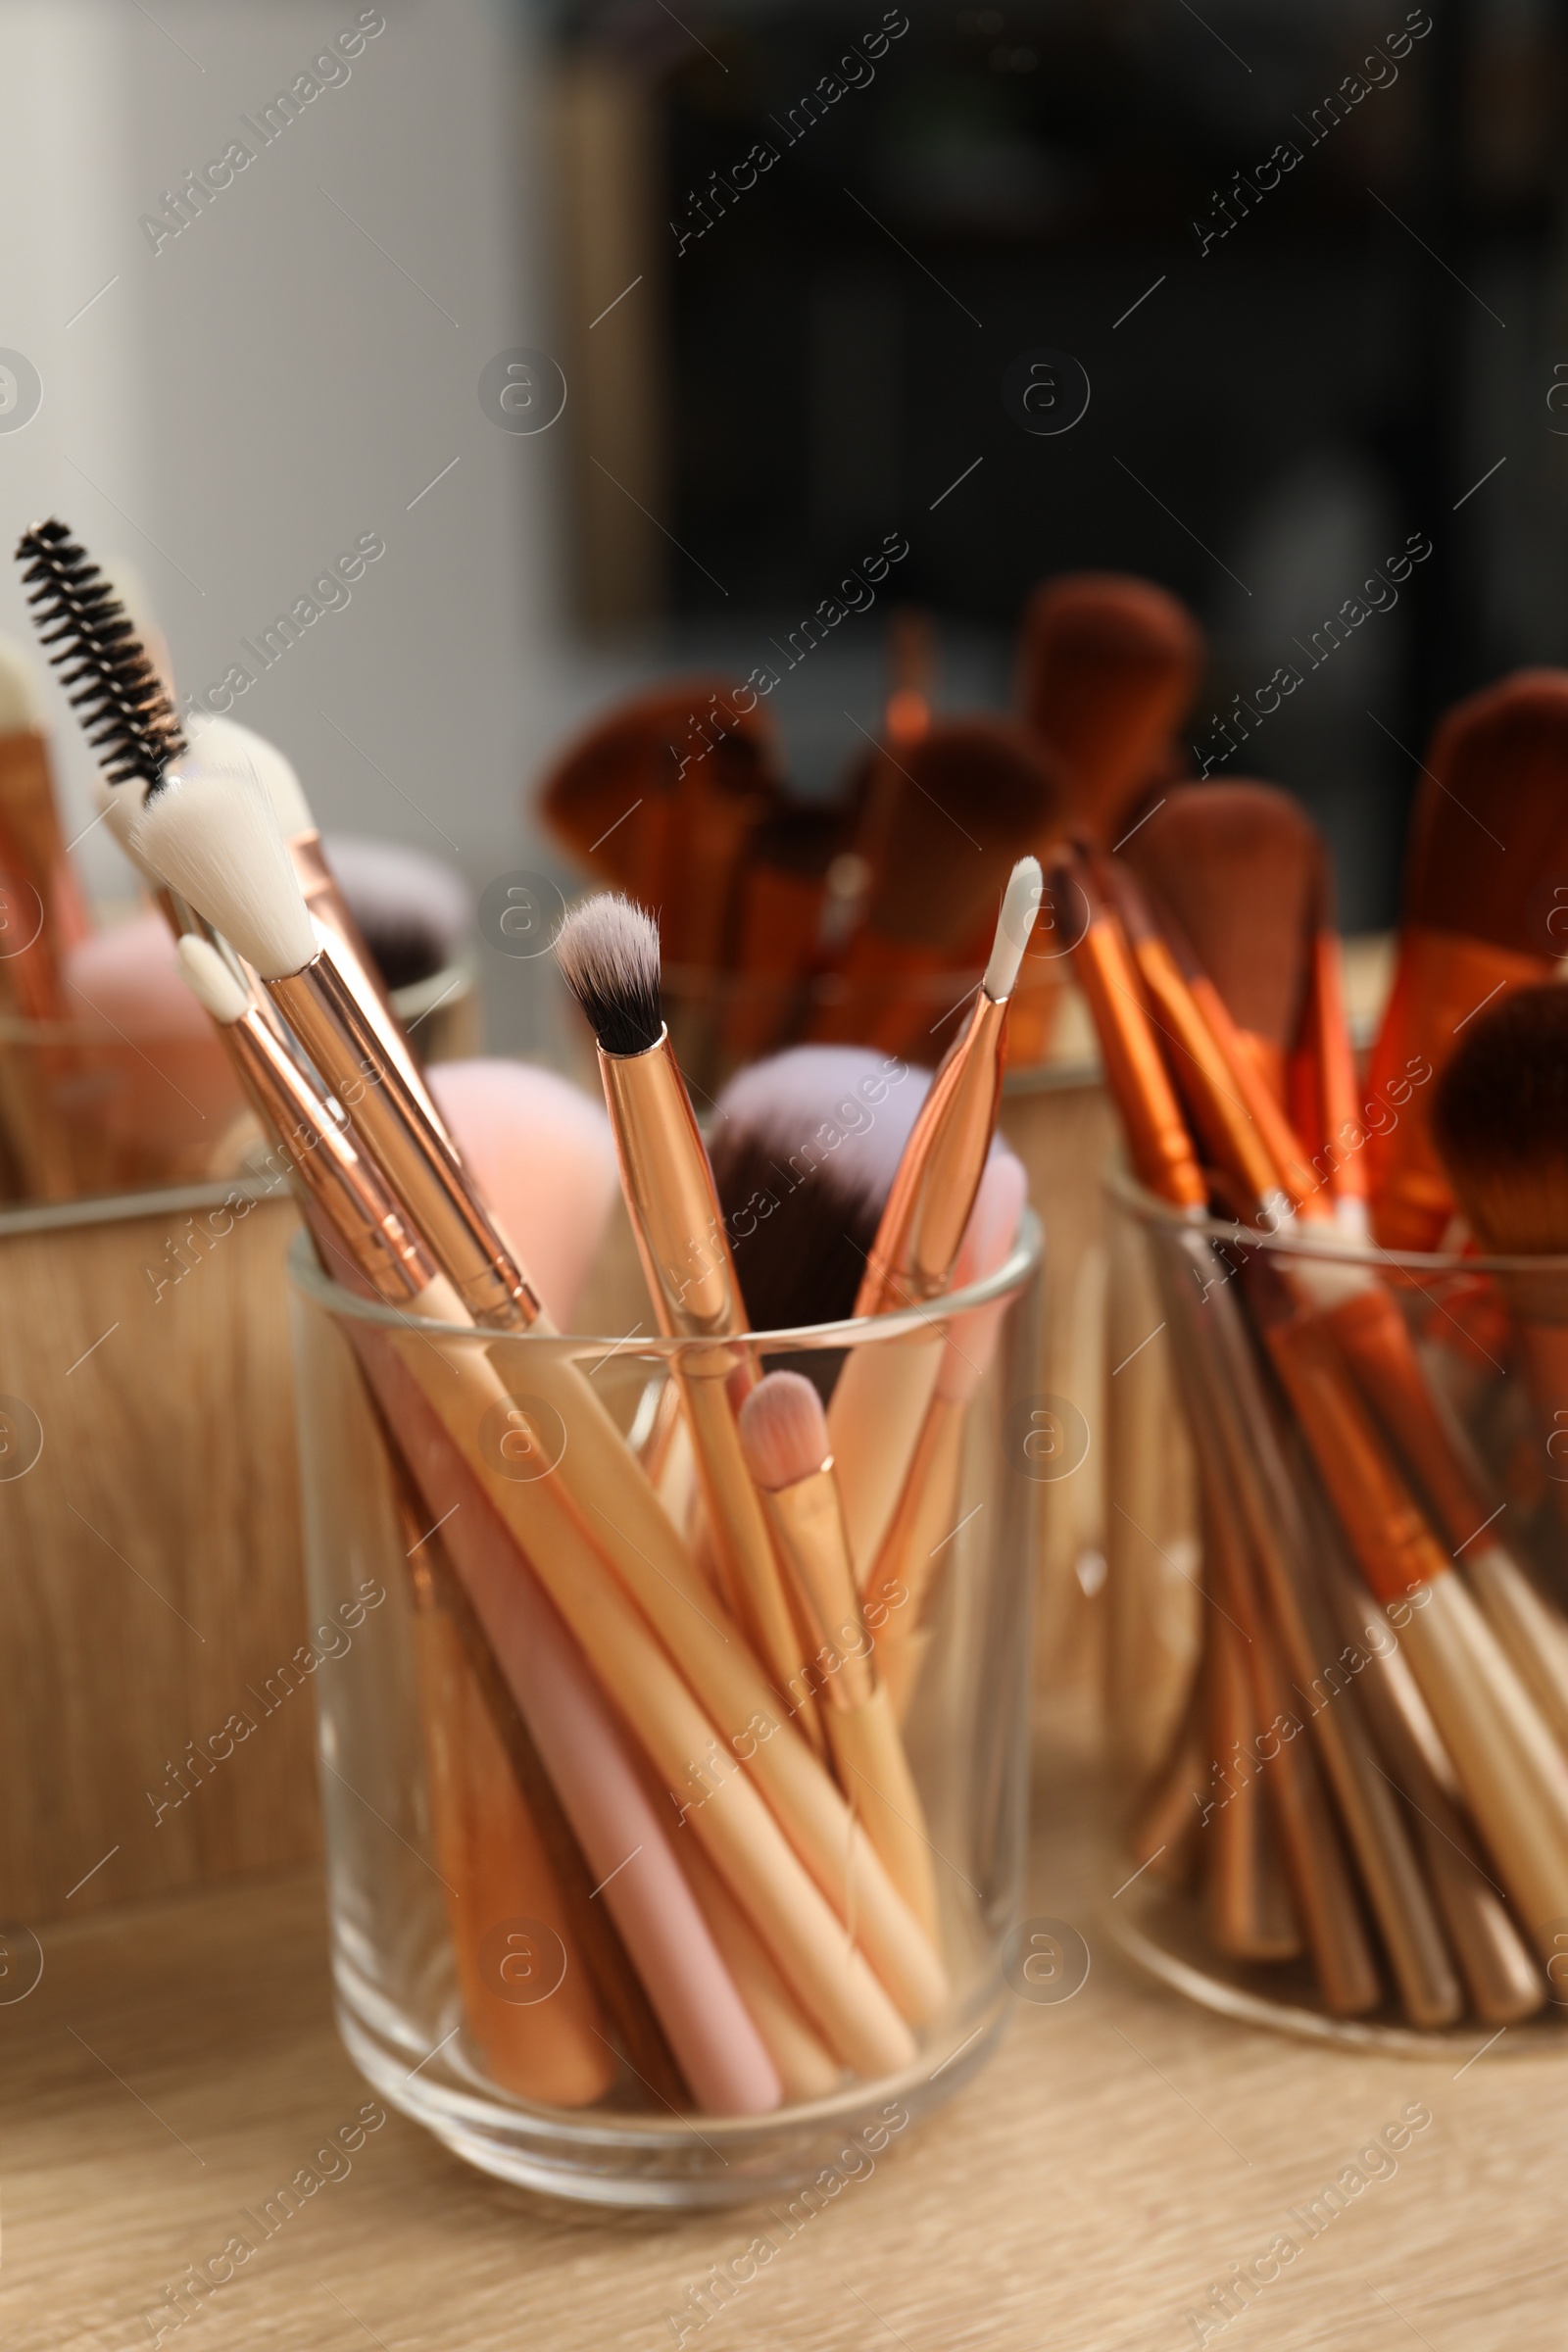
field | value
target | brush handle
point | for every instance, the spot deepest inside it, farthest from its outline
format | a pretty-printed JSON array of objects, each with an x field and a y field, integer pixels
[
  {"x": 721, "y": 1802},
  {"x": 494, "y": 1868},
  {"x": 900, "y": 1590},
  {"x": 1513, "y": 1777},
  {"x": 1231, "y": 1401},
  {"x": 804, "y": 2064},
  {"x": 874, "y": 1774},
  {"x": 1251, "y": 1915},
  {"x": 624, "y": 1840},
  {"x": 738, "y": 1528},
  {"x": 1501, "y": 1977},
  {"x": 874, "y": 1417},
  {"x": 1319, "y": 1878}
]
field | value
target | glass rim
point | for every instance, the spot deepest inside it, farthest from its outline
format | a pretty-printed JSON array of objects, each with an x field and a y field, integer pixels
[
  {"x": 1322, "y": 1243},
  {"x": 1007, "y": 1282}
]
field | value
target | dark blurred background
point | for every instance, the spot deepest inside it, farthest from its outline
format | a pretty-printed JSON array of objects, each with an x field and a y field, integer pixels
[{"x": 1367, "y": 352}]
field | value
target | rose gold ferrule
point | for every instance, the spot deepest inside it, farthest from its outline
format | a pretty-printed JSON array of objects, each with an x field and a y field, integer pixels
[
  {"x": 940, "y": 1172},
  {"x": 323, "y": 1161},
  {"x": 319, "y": 890},
  {"x": 416, "y": 1159},
  {"x": 669, "y": 1190},
  {"x": 807, "y": 1522}
]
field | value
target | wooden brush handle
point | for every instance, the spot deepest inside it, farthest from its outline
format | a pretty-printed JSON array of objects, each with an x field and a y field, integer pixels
[
  {"x": 738, "y": 1528},
  {"x": 1319, "y": 1877},
  {"x": 875, "y": 1774},
  {"x": 1251, "y": 1915},
  {"x": 1501, "y": 1977},
  {"x": 494, "y": 1868},
  {"x": 1512, "y": 1775}
]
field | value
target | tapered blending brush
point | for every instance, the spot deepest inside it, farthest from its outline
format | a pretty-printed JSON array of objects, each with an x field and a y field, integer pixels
[
  {"x": 881, "y": 1396},
  {"x": 974, "y": 795},
  {"x": 784, "y": 1433},
  {"x": 804, "y": 1147},
  {"x": 1490, "y": 830},
  {"x": 1108, "y": 666},
  {"x": 609, "y": 953},
  {"x": 916, "y": 1553},
  {"x": 593, "y": 1527}
]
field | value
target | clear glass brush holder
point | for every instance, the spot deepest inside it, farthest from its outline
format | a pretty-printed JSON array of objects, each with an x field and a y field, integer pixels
[
  {"x": 1289, "y": 1749},
  {"x": 533, "y": 1957}
]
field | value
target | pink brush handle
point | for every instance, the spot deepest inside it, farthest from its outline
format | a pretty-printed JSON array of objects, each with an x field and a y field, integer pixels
[{"x": 628, "y": 1847}]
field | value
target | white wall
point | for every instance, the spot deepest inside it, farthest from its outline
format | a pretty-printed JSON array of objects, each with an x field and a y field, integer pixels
[{"x": 245, "y": 403}]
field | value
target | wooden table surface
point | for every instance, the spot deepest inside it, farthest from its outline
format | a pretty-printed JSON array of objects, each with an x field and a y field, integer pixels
[{"x": 178, "y": 2063}]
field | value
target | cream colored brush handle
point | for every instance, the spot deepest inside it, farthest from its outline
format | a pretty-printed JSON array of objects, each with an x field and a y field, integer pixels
[
  {"x": 739, "y": 1525},
  {"x": 805, "y": 2067},
  {"x": 875, "y": 1774},
  {"x": 1511, "y": 1772},
  {"x": 873, "y": 1422},
  {"x": 1528, "y": 1628},
  {"x": 825, "y": 1973}
]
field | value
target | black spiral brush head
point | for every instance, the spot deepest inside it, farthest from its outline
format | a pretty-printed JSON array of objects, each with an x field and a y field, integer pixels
[{"x": 113, "y": 686}]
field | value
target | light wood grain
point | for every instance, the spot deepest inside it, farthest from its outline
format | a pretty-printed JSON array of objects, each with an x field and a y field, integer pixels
[
  {"x": 1088, "y": 2189},
  {"x": 150, "y": 1563}
]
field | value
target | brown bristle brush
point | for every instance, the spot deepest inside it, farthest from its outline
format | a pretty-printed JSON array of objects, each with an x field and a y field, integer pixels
[
  {"x": 805, "y": 1148},
  {"x": 973, "y": 796},
  {"x": 1490, "y": 831},
  {"x": 1499, "y": 1122},
  {"x": 1108, "y": 666}
]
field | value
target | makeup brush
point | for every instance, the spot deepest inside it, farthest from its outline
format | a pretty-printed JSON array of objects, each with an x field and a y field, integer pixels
[
  {"x": 414, "y": 913},
  {"x": 903, "y": 1587},
  {"x": 805, "y": 1148},
  {"x": 1108, "y": 666},
  {"x": 222, "y": 743},
  {"x": 659, "y": 797},
  {"x": 436, "y": 1404},
  {"x": 784, "y": 1434},
  {"x": 1248, "y": 1906},
  {"x": 1237, "y": 866},
  {"x": 608, "y": 953},
  {"x": 974, "y": 795},
  {"x": 881, "y": 1396},
  {"x": 492, "y": 1867},
  {"x": 793, "y": 860},
  {"x": 542, "y": 1154},
  {"x": 1499, "y": 1122},
  {"x": 212, "y": 834},
  {"x": 1489, "y": 830},
  {"x": 31, "y": 846},
  {"x": 1513, "y": 1776},
  {"x": 1246, "y": 1133},
  {"x": 1323, "y": 1083}
]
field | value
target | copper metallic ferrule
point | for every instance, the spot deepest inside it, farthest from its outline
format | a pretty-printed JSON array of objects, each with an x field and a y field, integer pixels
[
  {"x": 1158, "y": 1140},
  {"x": 326, "y": 1164},
  {"x": 940, "y": 1172},
  {"x": 319, "y": 890},
  {"x": 669, "y": 1184},
  {"x": 414, "y": 1157}
]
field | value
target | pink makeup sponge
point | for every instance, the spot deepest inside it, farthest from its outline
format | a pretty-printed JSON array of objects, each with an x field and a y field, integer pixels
[
  {"x": 163, "y": 1088},
  {"x": 542, "y": 1154}
]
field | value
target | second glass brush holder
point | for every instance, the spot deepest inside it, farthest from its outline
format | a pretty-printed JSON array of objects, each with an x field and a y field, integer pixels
[
  {"x": 1351, "y": 1824},
  {"x": 606, "y": 1915}
]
